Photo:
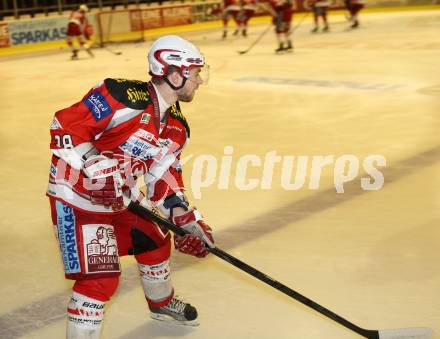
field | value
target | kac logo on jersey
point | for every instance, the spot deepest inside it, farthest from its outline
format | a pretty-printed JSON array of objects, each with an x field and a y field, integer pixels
[{"x": 98, "y": 105}]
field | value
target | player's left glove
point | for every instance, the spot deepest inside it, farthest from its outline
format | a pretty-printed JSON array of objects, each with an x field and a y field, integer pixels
[{"x": 199, "y": 234}]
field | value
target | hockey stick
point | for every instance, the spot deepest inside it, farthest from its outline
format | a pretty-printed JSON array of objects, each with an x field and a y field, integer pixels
[
  {"x": 267, "y": 30},
  {"x": 300, "y": 22},
  {"x": 403, "y": 333},
  {"x": 112, "y": 51},
  {"x": 257, "y": 40}
]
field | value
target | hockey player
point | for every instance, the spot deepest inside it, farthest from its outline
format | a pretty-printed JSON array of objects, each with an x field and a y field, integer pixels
[
  {"x": 319, "y": 8},
  {"x": 120, "y": 131},
  {"x": 248, "y": 8},
  {"x": 282, "y": 12},
  {"x": 78, "y": 27},
  {"x": 354, "y": 7},
  {"x": 231, "y": 9}
]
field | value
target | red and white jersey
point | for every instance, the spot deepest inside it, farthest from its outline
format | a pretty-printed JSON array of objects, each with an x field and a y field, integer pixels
[
  {"x": 231, "y": 5},
  {"x": 322, "y": 3},
  {"x": 119, "y": 116},
  {"x": 279, "y": 5},
  {"x": 357, "y": 2},
  {"x": 78, "y": 17},
  {"x": 249, "y": 4},
  {"x": 317, "y": 3}
]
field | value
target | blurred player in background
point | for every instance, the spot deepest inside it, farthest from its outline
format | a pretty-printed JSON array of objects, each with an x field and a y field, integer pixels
[
  {"x": 354, "y": 7},
  {"x": 248, "y": 8},
  {"x": 231, "y": 9},
  {"x": 282, "y": 13},
  {"x": 122, "y": 130},
  {"x": 319, "y": 9},
  {"x": 79, "y": 28}
]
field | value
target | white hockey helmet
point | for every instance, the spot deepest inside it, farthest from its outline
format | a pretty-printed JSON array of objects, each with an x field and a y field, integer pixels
[
  {"x": 172, "y": 50},
  {"x": 83, "y": 8}
]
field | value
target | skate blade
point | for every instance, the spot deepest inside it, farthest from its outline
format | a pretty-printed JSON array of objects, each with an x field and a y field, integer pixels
[
  {"x": 284, "y": 52},
  {"x": 169, "y": 319}
]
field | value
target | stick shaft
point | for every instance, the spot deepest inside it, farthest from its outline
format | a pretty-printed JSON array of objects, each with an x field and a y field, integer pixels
[
  {"x": 112, "y": 51},
  {"x": 300, "y": 22},
  {"x": 145, "y": 213},
  {"x": 262, "y": 34},
  {"x": 293, "y": 294}
]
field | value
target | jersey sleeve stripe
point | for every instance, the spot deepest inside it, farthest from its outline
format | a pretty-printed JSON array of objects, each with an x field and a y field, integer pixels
[{"x": 121, "y": 116}]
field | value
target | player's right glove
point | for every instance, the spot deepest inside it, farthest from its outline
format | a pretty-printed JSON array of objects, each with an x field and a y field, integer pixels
[
  {"x": 199, "y": 234},
  {"x": 104, "y": 182}
]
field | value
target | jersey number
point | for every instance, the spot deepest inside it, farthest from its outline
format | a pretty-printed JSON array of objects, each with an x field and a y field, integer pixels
[{"x": 64, "y": 141}]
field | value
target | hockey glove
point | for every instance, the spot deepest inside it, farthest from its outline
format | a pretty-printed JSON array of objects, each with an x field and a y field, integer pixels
[
  {"x": 104, "y": 183},
  {"x": 199, "y": 234},
  {"x": 88, "y": 31}
]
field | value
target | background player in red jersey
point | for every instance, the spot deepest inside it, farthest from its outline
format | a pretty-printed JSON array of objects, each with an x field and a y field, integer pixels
[
  {"x": 120, "y": 131},
  {"x": 354, "y": 7},
  {"x": 248, "y": 8},
  {"x": 79, "y": 28},
  {"x": 319, "y": 8},
  {"x": 282, "y": 13},
  {"x": 231, "y": 9}
]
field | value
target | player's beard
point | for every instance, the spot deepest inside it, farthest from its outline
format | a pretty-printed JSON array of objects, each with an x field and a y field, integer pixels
[{"x": 185, "y": 96}]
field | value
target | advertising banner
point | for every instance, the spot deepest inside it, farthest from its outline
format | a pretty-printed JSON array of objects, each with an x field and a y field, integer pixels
[
  {"x": 174, "y": 16},
  {"x": 145, "y": 19},
  {"x": 36, "y": 31},
  {"x": 142, "y": 19}
]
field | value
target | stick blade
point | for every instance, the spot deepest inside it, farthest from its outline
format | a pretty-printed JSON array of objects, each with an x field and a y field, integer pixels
[{"x": 407, "y": 333}]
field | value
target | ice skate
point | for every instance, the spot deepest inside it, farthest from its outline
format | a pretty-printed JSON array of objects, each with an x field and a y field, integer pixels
[
  {"x": 176, "y": 311},
  {"x": 74, "y": 55},
  {"x": 280, "y": 49},
  {"x": 89, "y": 51}
]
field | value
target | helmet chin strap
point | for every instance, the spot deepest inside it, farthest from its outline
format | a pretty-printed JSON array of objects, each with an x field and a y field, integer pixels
[{"x": 176, "y": 88}]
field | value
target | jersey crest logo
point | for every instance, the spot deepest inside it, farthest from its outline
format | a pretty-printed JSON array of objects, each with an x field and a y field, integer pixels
[
  {"x": 98, "y": 105},
  {"x": 145, "y": 118}
]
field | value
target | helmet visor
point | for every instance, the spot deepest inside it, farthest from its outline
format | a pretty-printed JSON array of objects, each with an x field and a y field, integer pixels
[{"x": 199, "y": 74}]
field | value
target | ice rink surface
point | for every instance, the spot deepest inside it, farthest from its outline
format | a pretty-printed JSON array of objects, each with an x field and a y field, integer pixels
[{"x": 370, "y": 256}]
